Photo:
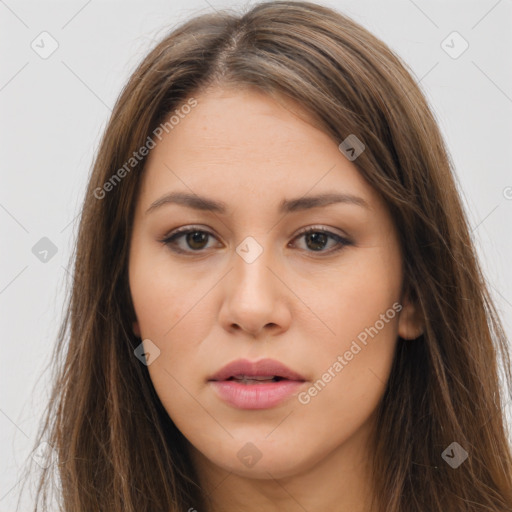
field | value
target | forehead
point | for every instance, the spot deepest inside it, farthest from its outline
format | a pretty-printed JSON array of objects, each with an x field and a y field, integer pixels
[
  {"x": 246, "y": 122},
  {"x": 243, "y": 143}
]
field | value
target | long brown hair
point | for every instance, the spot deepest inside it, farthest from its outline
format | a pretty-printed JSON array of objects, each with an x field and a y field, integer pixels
[{"x": 116, "y": 448}]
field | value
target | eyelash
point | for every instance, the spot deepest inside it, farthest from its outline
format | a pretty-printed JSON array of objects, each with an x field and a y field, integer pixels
[{"x": 170, "y": 240}]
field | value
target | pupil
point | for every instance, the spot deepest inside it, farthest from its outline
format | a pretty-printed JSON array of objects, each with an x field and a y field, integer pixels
[
  {"x": 314, "y": 237},
  {"x": 196, "y": 236}
]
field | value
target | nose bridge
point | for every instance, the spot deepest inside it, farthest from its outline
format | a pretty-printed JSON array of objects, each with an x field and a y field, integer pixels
[
  {"x": 251, "y": 299},
  {"x": 255, "y": 298},
  {"x": 251, "y": 263}
]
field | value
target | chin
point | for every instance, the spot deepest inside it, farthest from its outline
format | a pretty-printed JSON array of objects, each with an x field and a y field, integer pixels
[{"x": 261, "y": 459}]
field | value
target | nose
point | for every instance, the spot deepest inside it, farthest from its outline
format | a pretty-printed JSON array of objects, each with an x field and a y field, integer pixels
[{"x": 255, "y": 299}]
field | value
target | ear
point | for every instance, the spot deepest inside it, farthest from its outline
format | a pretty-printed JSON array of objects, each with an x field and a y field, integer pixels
[
  {"x": 410, "y": 321},
  {"x": 136, "y": 329}
]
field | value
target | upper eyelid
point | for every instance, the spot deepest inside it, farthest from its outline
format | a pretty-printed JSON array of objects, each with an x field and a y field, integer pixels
[{"x": 187, "y": 229}]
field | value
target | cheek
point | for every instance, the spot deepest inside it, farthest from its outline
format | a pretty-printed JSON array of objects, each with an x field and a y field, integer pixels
[
  {"x": 172, "y": 315},
  {"x": 354, "y": 356},
  {"x": 173, "y": 311},
  {"x": 361, "y": 290},
  {"x": 161, "y": 296},
  {"x": 351, "y": 378},
  {"x": 176, "y": 323}
]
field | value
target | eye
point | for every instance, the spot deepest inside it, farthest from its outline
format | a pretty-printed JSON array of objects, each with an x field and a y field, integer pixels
[
  {"x": 196, "y": 239},
  {"x": 316, "y": 239}
]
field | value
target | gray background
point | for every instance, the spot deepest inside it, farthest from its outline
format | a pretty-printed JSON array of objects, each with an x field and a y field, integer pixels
[{"x": 53, "y": 112}]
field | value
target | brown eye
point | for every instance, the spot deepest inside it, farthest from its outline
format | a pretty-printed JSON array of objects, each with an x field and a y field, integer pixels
[
  {"x": 195, "y": 240},
  {"x": 316, "y": 239}
]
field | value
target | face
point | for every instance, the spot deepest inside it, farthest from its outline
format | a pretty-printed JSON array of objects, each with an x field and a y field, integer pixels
[{"x": 263, "y": 270}]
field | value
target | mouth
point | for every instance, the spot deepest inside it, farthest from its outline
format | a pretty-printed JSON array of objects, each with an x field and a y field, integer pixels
[
  {"x": 257, "y": 379},
  {"x": 262, "y": 371},
  {"x": 260, "y": 384}
]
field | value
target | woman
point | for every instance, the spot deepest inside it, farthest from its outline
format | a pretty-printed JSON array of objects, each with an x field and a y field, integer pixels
[{"x": 276, "y": 301}]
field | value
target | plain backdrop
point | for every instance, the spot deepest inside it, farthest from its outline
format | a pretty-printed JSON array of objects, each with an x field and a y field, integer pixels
[{"x": 54, "y": 110}]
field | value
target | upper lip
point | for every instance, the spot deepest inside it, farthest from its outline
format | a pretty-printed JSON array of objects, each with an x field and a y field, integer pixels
[{"x": 261, "y": 368}]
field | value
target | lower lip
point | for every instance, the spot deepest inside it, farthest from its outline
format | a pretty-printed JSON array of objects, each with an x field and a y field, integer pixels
[{"x": 255, "y": 396}]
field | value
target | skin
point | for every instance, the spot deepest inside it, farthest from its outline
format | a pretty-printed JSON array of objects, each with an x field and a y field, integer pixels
[{"x": 301, "y": 306}]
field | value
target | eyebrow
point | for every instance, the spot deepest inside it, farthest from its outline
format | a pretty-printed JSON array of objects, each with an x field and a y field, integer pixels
[{"x": 286, "y": 206}]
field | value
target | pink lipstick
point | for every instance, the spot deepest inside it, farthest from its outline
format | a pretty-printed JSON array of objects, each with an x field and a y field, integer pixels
[{"x": 256, "y": 384}]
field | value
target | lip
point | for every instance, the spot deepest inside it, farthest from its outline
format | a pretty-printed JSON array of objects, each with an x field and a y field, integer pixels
[
  {"x": 263, "y": 368},
  {"x": 262, "y": 395}
]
